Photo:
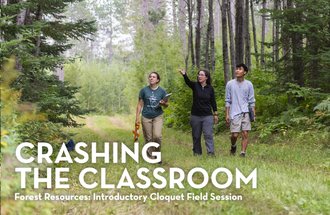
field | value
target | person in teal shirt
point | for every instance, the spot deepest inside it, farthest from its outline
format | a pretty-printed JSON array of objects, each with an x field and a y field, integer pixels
[{"x": 151, "y": 101}]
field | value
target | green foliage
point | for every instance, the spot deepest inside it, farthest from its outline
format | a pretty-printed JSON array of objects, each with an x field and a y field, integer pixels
[
  {"x": 103, "y": 88},
  {"x": 157, "y": 51},
  {"x": 37, "y": 57},
  {"x": 322, "y": 112},
  {"x": 309, "y": 21},
  {"x": 13, "y": 114},
  {"x": 296, "y": 108},
  {"x": 42, "y": 131}
]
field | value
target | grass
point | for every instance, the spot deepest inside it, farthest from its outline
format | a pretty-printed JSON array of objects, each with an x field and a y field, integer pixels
[{"x": 292, "y": 178}]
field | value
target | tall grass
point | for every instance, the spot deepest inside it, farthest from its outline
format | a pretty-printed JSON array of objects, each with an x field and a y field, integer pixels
[{"x": 292, "y": 178}]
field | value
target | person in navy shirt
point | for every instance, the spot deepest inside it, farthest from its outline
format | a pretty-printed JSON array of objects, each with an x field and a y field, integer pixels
[{"x": 203, "y": 111}]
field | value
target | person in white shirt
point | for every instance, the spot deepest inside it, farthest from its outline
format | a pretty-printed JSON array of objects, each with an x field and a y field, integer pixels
[{"x": 239, "y": 98}]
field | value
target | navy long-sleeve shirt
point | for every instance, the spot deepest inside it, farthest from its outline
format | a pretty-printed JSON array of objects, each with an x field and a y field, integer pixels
[{"x": 203, "y": 98}]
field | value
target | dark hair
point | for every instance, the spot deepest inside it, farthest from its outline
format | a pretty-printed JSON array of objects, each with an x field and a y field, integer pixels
[
  {"x": 207, "y": 74},
  {"x": 156, "y": 73},
  {"x": 243, "y": 66}
]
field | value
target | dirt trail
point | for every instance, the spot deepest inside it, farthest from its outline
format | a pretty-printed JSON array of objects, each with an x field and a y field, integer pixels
[
  {"x": 119, "y": 123},
  {"x": 93, "y": 126},
  {"x": 114, "y": 121}
]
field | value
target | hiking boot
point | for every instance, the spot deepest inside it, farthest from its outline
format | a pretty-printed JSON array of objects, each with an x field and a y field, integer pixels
[
  {"x": 211, "y": 154},
  {"x": 242, "y": 154},
  {"x": 197, "y": 154},
  {"x": 233, "y": 149}
]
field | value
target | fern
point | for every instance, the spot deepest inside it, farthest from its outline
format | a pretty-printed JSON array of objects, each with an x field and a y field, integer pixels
[{"x": 324, "y": 106}]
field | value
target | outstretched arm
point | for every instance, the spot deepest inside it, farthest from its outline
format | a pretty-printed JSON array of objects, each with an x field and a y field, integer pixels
[{"x": 186, "y": 79}]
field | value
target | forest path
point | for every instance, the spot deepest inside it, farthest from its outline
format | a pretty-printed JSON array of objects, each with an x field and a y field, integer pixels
[
  {"x": 285, "y": 174},
  {"x": 103, "y": 125}
]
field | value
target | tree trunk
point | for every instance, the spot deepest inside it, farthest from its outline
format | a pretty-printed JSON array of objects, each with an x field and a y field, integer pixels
[
  {"x": 263, "y": 34},
  {"x": 239, "y": 39},
  {"x": 212, "y": 43},
  {"x": 313, "y": 47},
  {"x": 59, "y": 72},
  {"x": 38, "y": 39},
  {"x": 190, "y": 36},
  {"x": 286, "y": 41},
  {"x": 277, "y": 33},
  {"x": 209, "y": 53},
  {"x": 174, "y": 17},
  {"x": 207, "y": 47},
  {"x": 110, "y": 33},
  {"x": 3, "y": 3},
  {"x": 182, "y": 30},
  {"x": 256, "y": 54},
  {"x": 198, "y": 34},
  {"x": 297, "y": 51},
  {"x": 217, "y": 20},
  {"x": 232, "y": 41},
  {"x": 20, "y": 20},
  {"x": 227, "y": 75},
  {"x": 247, "y": 35}
]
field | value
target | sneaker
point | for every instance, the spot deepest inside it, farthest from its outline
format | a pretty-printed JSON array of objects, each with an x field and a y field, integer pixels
[
  {"x": 211, "y": 154},
  {"x": 233, "y": 149},
  {"x": 197, "y": 154},
  {"x": 242, "y": 154}
]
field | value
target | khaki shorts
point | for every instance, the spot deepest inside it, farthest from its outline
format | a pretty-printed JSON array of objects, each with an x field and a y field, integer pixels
[{"x": 240, "y": 123}]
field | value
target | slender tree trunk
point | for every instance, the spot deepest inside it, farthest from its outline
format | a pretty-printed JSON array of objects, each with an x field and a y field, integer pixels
[
  {"x": 212, "y": 43},
  {"x": 232, "y": 41},
  {"x": 286, "y": 42},
  {"x": 20, "y": 20},
  {"x": 256, "y": 54},
  {"x": 227, "y": 75},
  {"x": 3, "y": 3},
  {"x": 239, "y": 39},
  {"x": 59, "y": 72},
  {"x": 190, "y": 36},
  {"x": 297, "y": 51},
  {"x": 174, "y": 16},
  {"x": 263, "y": 34},
  {"x": 247, "y": 35},
  {"x": 217, "y": 20},
  {"x": 198, "y": 33},
  {"x": 38, "y": 39},
  {"x": 182, "y": 30},
  {"x": 313, "y": 47},
  {"x": 110, "y": 33},
  {"x": 277, "y": 32},
  {"x": 207, "y": 47},
  {"x": 209, "y": 53}
]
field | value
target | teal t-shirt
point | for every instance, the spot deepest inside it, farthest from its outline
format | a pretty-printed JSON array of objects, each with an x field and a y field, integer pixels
[{"x": 151, "y": 98}]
